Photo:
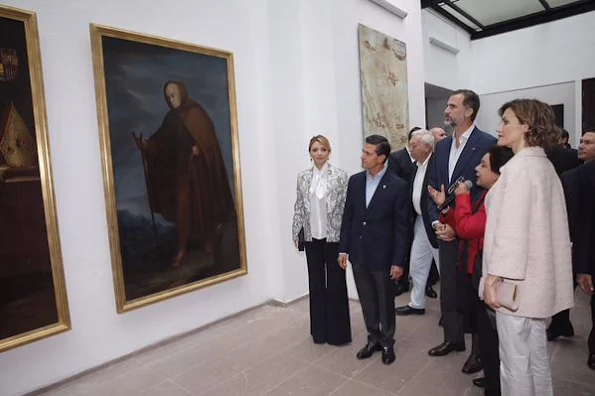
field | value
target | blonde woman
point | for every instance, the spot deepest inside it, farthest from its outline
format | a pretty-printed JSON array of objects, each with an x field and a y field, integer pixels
[
  {"x": 318, "y": 210},
  {"x": 526, "y": 244}
]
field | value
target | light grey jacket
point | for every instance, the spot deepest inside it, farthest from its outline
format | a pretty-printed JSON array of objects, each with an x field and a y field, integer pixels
[{"x": 335, "y": 203}]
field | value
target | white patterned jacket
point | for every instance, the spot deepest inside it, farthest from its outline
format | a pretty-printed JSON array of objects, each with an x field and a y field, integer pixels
[{"x": 335, "y": 203}]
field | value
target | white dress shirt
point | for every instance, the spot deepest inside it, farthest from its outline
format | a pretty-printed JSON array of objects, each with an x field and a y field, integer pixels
[
  {"x": 418, "y": 184},
  {"x": 455, "y": 152},
  {"x": 318, "y": 190}
]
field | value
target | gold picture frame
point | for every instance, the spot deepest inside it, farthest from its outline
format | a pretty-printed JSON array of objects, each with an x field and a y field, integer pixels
[
  {"x": 31, "y": 259},
  {"x": 130, "y": 72}
]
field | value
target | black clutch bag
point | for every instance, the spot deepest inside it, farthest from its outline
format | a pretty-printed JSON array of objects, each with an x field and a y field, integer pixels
[{"x": 301, "y": 240}]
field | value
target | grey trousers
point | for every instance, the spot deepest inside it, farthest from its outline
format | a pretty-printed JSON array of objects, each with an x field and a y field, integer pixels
[{"x": 376, "y": 292}]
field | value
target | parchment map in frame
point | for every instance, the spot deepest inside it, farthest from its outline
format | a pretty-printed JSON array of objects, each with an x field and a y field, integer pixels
[{"x": 383, "y": 66}]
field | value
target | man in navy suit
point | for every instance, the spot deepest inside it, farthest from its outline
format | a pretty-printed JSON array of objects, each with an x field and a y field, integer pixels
[
  {"x": 374, "y": 235},
  {"x": 455, "y": 157}
]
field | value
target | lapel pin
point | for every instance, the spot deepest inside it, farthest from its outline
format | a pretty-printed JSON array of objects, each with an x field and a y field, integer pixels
[{"x": 384, "y": 186}]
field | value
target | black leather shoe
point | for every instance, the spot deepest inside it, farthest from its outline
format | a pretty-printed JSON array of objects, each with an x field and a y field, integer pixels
[
  {"x": 480, "y": 382},
  {"x": 401, "y": 287},
  {"x": 368, "y": 350},
  {"x": 591, "y": 361},
  {"x": 430, "y": 292},
  {"x": 388, "y": 355},
  {"x": 407, "y": 310},
  {"x": 472, "y": 365},
  {"x": 447, "y": 347},
  {"x": 554, "y": 331}
]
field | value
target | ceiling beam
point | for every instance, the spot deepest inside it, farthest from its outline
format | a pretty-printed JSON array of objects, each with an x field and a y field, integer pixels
[
  {"x": 464, "y": 13},
  {"x": 554, "y": 14},
  {"x": 439, "y": 10},
  {"x": 429, "y": 3},
  {"x": 545, "y": 5}
]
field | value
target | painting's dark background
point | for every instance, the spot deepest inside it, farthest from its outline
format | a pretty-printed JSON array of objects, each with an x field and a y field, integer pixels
[
  {"x": 135, "y": 74},
  {"x": 27, "y": 299}
]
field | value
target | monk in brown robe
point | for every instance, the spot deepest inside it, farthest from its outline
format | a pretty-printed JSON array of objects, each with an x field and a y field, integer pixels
[{"x": 186, "y": 178}]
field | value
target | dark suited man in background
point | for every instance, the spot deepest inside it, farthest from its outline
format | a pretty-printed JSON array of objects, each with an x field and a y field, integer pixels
[
  {"x": 374, "y": 235},
  {"x": 403, "y": 165},
  {"x": 584, "y": 239},
  {"x": 574, "y": 190},
  {"x": 455, "y": 156},
  {"x": 563, "y": 157}
]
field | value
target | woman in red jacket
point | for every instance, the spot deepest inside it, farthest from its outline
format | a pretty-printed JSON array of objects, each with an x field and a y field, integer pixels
[{"x": 469, "y": 220}]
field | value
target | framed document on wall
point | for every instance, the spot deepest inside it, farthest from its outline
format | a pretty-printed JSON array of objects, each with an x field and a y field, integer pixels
[
  {"x": 169, "y": 139},
  {"x": 33, "y": 302}
]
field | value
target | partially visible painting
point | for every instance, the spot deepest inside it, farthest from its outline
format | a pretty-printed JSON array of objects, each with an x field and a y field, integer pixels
[
  {"x": 383, "y": 68},
  {"x": 33, "y": 303},
  {"x": 167, "y": 119}
]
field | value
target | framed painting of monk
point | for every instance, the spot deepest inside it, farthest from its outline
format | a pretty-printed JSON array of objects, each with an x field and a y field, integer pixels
[
  {"x": 33, "y": 302},
  {"x": 167, "y": 120}
]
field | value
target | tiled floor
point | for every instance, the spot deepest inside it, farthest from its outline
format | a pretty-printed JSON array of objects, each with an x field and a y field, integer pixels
[{"x": 268, "y": 351}]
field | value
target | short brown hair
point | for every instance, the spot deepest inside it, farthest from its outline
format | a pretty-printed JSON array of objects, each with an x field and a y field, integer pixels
[
  {"x": 322, "y": 140},
  {"x": 470, "y": 99},
  {"x": 540, "y": 119}
]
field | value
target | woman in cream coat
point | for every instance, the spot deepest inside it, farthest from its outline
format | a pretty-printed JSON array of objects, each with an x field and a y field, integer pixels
[
  {"x": 321, "y": 193},
  {"x": 527, "y": 244}
]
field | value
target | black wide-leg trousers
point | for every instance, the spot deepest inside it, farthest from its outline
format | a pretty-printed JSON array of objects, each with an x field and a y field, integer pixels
[{"x": 329, "y": 305}]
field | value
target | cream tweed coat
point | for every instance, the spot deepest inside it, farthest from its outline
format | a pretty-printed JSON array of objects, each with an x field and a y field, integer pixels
[{"x": 527, "y": 240}]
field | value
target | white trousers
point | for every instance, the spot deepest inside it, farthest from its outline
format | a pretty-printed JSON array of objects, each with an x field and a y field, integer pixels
[
  {"x": 420, "y": 263},
  {"x": 524, "y": 361}
]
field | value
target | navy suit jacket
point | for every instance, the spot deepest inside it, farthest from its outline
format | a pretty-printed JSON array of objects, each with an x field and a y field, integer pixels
[
  {"x": 579, "y": 190},
  {"x": 424, "y": 203},
  {"x": 478, "y": 144},
  {"x": 376, "y": 237}
]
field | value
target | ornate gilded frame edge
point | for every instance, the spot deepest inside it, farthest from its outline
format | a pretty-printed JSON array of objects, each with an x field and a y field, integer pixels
[{"x": 63, "y": 324}]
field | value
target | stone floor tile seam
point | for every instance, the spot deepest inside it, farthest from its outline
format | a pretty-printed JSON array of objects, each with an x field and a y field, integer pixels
[
  {"x": 304, "y": 369},
  {"x": 410, "y": 380},
  {"x": 181, "y": 387},
  {"x": 298, "y": 372},
  {"x": 355, "y": 373}
]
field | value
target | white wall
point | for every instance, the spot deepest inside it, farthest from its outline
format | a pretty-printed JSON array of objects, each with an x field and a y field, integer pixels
[
  {"x": 297, "y": 75},
  {"x": 442, "y": 68},
  {"x": 563, "y": 93},
  {"x": 539, "y": 56}
]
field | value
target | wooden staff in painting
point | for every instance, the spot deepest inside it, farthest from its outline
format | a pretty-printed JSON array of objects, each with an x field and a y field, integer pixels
[
  {"x": 186, "y": 177},
  {"x": 139, "y": 143}
]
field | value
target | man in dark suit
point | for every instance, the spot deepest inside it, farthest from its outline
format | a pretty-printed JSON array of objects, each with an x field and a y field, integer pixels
[
  {"x": 584, "y": 242},
  {"x": 455, "y": 157},
  {"x": 564, "y": 160},
  {"x": 374, "y": 235},
  {"x": 574, "y": 191},
  {"x": 403, "y": 165},
  {"x": 562, "y": 157},
  {"x": 425, "y": 245}
]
